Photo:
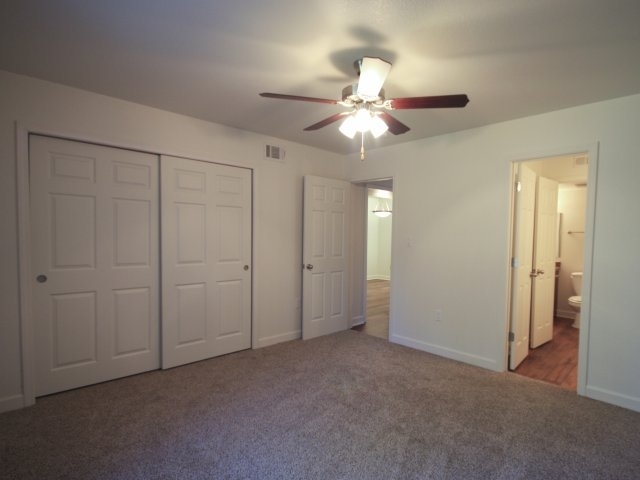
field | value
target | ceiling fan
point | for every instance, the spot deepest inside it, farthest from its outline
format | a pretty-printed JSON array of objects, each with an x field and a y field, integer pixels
[{"x": 367, "y": 103}]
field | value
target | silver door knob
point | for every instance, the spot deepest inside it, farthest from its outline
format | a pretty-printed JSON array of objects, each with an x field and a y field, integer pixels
[
  {"x": 41, "y": 278},
  {"x": 540, "y": 272},
  {"x": 308, "y": 266},
  {"x": 245, "y": 268}
]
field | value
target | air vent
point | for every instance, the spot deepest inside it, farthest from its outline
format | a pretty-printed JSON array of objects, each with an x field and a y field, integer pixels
[
  {"x": 273, "y": 152},
  {"x": 580, "y": 160}
]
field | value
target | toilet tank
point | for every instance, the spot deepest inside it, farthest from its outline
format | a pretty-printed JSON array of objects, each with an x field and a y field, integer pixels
[{"x": 576, "y": 281}]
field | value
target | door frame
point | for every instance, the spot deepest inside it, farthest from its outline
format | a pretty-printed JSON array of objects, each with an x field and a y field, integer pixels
[
  {"x": 585, "y": 308},
  {"x": 23, "y": 130},
  {"x": 360, "y": 277}
]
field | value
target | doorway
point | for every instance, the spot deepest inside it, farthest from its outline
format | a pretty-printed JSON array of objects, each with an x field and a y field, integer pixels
[
  {"x": 378, "y": 225},
  {"x": 542, "y": 287}
]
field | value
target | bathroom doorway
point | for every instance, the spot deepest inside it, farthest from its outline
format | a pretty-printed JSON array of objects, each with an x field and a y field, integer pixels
[
  {"x": 541, "y": 289},
  {"x": 379, "y": 209}
]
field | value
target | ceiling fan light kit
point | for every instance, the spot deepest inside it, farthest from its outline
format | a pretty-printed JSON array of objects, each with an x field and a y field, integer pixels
[
  {"x": 349, "y": 128},
  {"x": 366, "y": 101}
]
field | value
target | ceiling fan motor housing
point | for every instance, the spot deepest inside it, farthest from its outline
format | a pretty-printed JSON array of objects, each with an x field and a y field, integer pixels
[{"x": 350, "y": 96}]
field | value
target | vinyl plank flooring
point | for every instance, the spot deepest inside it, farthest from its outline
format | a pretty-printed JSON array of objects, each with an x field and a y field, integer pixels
[
  {"x": 377, "y": 310},
  {"x": 556, "y": 361}
]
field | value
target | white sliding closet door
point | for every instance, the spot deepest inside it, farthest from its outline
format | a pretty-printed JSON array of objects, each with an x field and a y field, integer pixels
[
  {"x": 94, "y": 262},
  {"x": 206, "y": 260}
]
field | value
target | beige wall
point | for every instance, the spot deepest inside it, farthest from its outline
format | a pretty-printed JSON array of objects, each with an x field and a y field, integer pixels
[
  {"x": 378, "y": 241},
  {"x": 572, "y": 204}
]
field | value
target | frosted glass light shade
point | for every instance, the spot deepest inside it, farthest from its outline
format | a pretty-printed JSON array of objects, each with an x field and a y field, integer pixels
[
  {"x": 381, "y": 214},
  {"x": 382, "y": 211},
  {"x": 363, "y": 120},
  {"x": 378, "y": 127},
  {"x": 349, "y": 127}
]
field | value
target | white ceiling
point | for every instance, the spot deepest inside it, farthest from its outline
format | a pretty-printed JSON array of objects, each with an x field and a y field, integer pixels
[{"x": 210, "y": 59}]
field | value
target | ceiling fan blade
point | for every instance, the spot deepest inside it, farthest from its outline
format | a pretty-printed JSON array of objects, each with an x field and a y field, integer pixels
[
  {"x": 297, "y": 97},
  {"x": 327, "y": 121},
  {"x": 395, "y": 126},
  {"x": 373, "y": 72},
  {"x": 439, "y": 101}
]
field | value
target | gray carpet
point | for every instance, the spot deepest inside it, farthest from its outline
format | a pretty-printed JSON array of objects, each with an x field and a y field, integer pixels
[{"x": 345, "y": 406}]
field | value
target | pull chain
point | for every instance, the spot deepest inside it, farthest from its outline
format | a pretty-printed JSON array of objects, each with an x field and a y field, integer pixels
[{"x": 362, "y": 147}]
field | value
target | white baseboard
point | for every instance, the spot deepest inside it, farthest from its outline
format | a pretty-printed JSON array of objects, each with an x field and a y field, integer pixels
[
  {"x": 464, "y": 357},
  {"x": 615, "y": 398},
  {"x": 378, "y": 277},
  {"x": 283, "y": 337},
  {"x": 359, "y": 320},
  {"x": 14, "y": 402},
  {"x": 566, "y": 314}
]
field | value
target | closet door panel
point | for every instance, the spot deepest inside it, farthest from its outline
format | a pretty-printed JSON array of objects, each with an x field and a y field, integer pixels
[
  {"x": 94, "y": 262},
  {"x": 206, "y": 260}
]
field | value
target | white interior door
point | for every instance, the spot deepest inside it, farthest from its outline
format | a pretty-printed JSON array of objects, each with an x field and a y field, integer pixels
[
  {"x": 525, "y": 198},
  {"x": 544, "y": 259},
  {"x": 206, "y": 260},
  {"x": 94, "y": 259},
  {"x": 324, "y": 254}
]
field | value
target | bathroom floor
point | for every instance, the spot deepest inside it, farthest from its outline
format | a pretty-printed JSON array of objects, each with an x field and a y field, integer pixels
[{"x": 556, "y": 361}]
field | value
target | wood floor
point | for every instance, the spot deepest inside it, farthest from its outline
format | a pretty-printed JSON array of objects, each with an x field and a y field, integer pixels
[
  {"x": 377, "y": 309},
  {"x": 556, "y": 361}
]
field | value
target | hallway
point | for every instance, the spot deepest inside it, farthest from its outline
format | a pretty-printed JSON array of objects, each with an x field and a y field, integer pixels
[{"x": 377, "y": 310}]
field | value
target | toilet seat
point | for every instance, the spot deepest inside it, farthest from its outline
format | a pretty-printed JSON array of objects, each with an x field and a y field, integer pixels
[{"x": 575, "y": 300}]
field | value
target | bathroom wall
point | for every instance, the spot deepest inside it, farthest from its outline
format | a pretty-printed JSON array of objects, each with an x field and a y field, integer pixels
[
  {"x": 378, "y": 240},
  {"x": 572, "y": 205}
]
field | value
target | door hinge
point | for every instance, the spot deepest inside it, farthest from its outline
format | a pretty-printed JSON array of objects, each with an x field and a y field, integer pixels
[
  {"x": 512, "y": 336},
  {"x": 518, "y": 186},
  {"x": 514, "y": 262}
]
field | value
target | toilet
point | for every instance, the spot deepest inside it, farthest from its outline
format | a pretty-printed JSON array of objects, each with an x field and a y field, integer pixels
[{"x": 576, "y": 300}]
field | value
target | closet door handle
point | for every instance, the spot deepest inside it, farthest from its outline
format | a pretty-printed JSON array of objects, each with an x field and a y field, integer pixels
[
  {"x": 308, "y": 266},
  {"x": 245, "y": 268}
]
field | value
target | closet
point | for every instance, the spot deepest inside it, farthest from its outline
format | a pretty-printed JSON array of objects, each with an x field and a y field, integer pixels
[{"x": 103, "y": 220}]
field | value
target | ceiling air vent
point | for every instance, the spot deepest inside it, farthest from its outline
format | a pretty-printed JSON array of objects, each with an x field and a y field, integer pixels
[{"x": 273, "y": 152}]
